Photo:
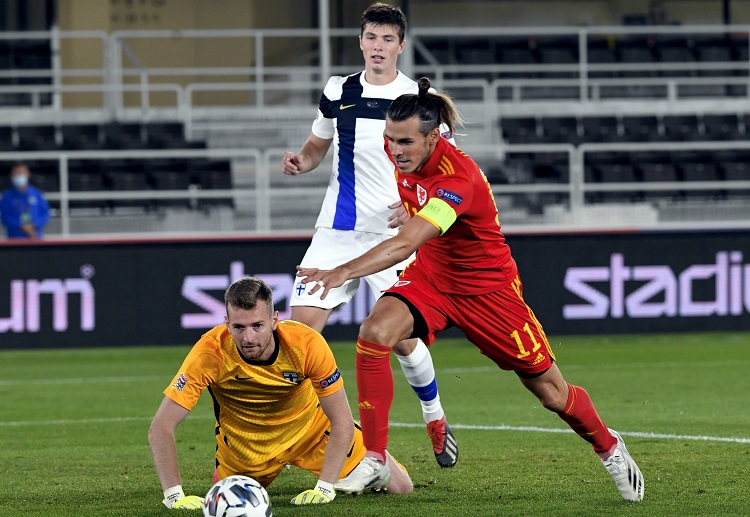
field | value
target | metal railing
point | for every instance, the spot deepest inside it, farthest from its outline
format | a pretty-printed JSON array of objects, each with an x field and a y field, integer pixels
[
  {"x": 308, "y": 70},
  {"x": 482, "y": 90},
  {"x": 264, "y": 195}
]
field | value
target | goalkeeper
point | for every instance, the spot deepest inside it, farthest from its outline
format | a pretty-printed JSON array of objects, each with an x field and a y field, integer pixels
[{"x": 278, "y": 399}]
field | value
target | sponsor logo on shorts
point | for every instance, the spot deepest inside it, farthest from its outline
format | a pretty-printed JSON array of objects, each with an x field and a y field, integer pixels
[
  {"x": 330, "y": 380},
  {"x": 402, "y": 283},
  {"x": 539, "y": 358},
  {"x": 181, "y": 382},
  {"x": 449, "y": 196},
  {"x": 291, "y": 377}
]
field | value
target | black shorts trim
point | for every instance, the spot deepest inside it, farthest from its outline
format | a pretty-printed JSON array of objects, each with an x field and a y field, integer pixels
[{"x": 420, "y": 329}]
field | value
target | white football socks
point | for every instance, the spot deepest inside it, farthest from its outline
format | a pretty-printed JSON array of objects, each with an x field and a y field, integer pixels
[{"x": 420, "y": 373}]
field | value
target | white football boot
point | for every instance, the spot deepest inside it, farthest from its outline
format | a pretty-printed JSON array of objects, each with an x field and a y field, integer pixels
[
  {"x": 624, "y": 471},
  {"x": 370, "y": 474}
]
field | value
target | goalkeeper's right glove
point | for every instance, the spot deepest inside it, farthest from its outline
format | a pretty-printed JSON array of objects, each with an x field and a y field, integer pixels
[
  {"x": 321, "y": 494},
  {"x": 175, "y": 498}
]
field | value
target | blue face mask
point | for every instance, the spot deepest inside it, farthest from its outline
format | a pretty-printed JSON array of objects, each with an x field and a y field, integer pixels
[{"x": 20, "y": 181}]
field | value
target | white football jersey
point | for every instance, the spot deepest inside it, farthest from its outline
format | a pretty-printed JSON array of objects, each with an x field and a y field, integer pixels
[{"x": 362, "y": 184}]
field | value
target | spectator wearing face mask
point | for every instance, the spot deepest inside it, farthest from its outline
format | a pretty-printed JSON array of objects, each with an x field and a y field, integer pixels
[{"x": 23, "y": 209}]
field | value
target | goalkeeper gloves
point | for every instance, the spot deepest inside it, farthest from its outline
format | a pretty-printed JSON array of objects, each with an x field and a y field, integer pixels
[
  {"x": 322, "y": 493},
  {"x": 175, "y": 498}
]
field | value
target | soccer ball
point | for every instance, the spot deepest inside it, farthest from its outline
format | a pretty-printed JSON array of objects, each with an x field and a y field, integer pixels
[{"x": 237, "y": 496}]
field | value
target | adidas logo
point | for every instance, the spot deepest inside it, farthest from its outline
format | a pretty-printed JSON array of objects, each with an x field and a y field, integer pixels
[
  {"x": 451, "y": 447},
  {"x": 365, "y": 405},
  {"x": 539, "y": 358}
]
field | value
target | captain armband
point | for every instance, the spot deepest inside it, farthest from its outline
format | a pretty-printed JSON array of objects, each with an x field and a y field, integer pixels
[{"x": 439, "y": 213}]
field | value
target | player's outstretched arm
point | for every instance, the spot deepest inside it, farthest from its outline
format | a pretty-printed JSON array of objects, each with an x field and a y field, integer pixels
[
  {"x": 336, "y": 408},
  {"x": 163, "y": 449},
  {"x": 390, "y": 252},
  {"x": 309, "y": 157}
]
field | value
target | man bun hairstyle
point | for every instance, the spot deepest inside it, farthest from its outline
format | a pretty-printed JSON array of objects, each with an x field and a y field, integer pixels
[
  {"x": 432, "y": 108},
  {"x": 380, "y": 13}
]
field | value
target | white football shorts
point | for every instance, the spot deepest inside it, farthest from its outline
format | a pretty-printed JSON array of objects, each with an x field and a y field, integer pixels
[{"x": 330, "y": 248}]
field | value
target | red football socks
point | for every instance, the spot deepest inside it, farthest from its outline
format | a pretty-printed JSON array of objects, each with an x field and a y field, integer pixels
[
  {"x": 580, "y": 414},
  {"x": 375, "y": 386}
]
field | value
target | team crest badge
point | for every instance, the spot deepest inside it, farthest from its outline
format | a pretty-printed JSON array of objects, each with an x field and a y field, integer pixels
[
  {"x": 421, "y": 195},
  {"x": 291, "y": 377},
  {"x": 181, "y": 382}
]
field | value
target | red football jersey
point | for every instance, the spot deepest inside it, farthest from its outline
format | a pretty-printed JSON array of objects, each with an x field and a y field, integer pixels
[{"x": 471, "y": 257}]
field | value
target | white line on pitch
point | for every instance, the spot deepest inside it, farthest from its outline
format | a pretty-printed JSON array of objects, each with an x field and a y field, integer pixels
[
  {"x": 638, "y": 434},
  {"x": 83, "y": 380},
  {"x": 558, "y": 430}
]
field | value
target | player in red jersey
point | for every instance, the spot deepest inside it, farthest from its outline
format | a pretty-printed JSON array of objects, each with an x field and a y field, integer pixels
[{"x": 463, "y": 276}]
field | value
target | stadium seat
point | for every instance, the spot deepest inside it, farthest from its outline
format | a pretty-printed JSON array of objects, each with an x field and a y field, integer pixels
[
  {"x": 564, "y": 130},
  {"x": 165, "y": 135},
  {"x": 6, "y": 138},
  {"x": 739, "y": 44},
  {"x": 658, "y": 172},
  {"x": 724, "y": 126},
  {"x": 616, "y": 173},
  {"x": 82, "y": 136},
  {"x": 681, "y": 128},
  {"x": 550, "y": 167},
  {"x": 677, "y": 55},
  {"x": 736, "y": 171},
  {"x": 124, "y": 136},
  {"x": 601, "y": 55},
  {"x": 125, "y": 175},
  {"x": 714, "y": 54},
  {"x": 642, "y": 128},
  {"x": 473, "y": 51},
  {"x": 85, "y": 177},
  {"x": 700, "y": 172},
  {"x": 521, "y": 130},
  {"x": 45, "y": 175},
  {"x": 211, "y": 174},
  {"x": 37, "y": 138},
  {"x": 438, "y": 48},
  {"x": 600, "y": 128}
]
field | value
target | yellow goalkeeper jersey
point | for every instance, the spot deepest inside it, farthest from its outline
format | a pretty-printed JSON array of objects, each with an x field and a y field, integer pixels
[{"x": 265, "y": 407}]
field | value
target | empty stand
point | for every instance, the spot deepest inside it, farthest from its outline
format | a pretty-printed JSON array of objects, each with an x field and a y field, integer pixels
[
  {"x": 724, "y": 126},
  {"x": 6, "y": 139},
  {"x": 565, "y": 130},
  {"x": 82, "y": 136},
  {"x": 37, "y": 138},
  {"x": 125, "y": 136},
  {"x": 680, "y": 128},
  {"x": 521, "y": 130},
  {"x": 642, "y": 128},
  {"x": 600, "y": 128}
]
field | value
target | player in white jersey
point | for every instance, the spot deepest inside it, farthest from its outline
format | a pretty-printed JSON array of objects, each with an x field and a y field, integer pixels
[{"x": 362, "y": 207}]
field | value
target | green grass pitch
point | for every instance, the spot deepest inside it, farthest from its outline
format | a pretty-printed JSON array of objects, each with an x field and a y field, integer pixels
[{"x": 73, "y": 433}]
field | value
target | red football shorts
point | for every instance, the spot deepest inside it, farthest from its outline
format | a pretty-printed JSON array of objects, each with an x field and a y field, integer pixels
[{"x": 499, "y": 323}]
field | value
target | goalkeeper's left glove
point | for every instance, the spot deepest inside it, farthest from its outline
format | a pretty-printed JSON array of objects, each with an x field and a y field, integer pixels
[
  {"x": 322, "y": 493},
  {"x": 175, "y": 498}
]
